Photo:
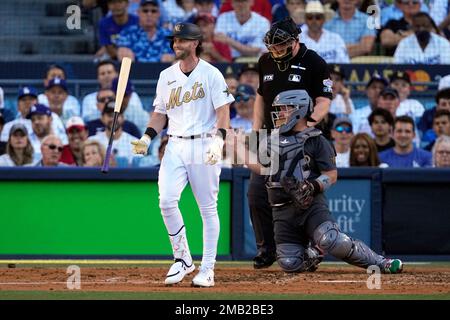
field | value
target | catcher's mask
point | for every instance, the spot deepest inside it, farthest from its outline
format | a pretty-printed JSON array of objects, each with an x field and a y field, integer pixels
[
  {"x": 279, "y": 40},
  {"x": 289, "y": 107}
]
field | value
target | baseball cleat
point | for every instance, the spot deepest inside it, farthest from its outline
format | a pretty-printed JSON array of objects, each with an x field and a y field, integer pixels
[
  {"x": 262, "y": 261},
  {"x": 392, "y": 266},
  {"x": 178, "y": 271},
  {"x": 204, "y": 278}
]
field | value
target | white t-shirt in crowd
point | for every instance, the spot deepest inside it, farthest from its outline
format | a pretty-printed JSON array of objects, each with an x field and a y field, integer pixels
[
  {"x": 343, "y": 159},
  {"x": 360, "y": 120},
  {"x": 409, "y": 51},
  {"x": 330, "y": 46},
  {"x": 338, "y": 106},
  {"x": 121, "y": 148},
  {"x": 410, "y": 107},
  {"x": 71, "y": 107}
]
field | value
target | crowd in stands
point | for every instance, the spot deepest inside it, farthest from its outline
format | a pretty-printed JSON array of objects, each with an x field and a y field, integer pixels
[{"x": 53, "y": 128}]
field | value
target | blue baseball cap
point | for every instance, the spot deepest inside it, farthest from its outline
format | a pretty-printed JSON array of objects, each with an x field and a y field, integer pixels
[
  {"x": 27, "y": 91},
  {"x": 57, "y": 82},
  {"x": 129, "y": 89},
  {"x": 245, "y": 89},
  {"x": 377, "y": 77},
  {"x": 152, "y": 2},
  {"x": 39, "y": 109}
]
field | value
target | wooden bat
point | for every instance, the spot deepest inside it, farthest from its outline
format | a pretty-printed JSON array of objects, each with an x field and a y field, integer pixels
[{"x": 121, "y": 86}]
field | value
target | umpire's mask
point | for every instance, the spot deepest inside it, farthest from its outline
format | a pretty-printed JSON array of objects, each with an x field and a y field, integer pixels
[
  {"x": 279, "y": 40},
  {"x": 289, "y": 107}
]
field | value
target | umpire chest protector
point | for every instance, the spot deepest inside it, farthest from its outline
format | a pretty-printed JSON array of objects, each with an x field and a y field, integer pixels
[{"x": 287, "y": 155}]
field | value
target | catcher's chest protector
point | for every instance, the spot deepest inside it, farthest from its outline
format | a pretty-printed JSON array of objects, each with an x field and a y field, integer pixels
[{"x": 290, "y": 154}]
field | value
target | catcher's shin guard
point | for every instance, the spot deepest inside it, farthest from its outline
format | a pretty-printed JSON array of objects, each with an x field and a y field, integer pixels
[{"x": 330, "y": 239}]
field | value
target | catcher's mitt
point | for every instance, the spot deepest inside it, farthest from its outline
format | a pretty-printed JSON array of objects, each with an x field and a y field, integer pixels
[{"x": 301, "y": 192}]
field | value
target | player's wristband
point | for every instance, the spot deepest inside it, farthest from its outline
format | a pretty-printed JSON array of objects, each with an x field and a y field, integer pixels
[
  {"x": 151, "y": 132},
  {"x": 221, "y": 132},
  {"x": 324, "y": 181}
]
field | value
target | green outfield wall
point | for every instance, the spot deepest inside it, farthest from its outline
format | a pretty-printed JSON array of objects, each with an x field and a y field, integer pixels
[{"x": 97, "y": 218}]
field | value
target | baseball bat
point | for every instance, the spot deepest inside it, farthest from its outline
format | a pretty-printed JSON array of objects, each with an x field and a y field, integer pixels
[{"x": 121, "y": 86}]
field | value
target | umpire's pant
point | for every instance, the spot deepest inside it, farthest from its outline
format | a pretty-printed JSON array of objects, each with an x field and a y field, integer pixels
[{"x": 261, "y": 214}]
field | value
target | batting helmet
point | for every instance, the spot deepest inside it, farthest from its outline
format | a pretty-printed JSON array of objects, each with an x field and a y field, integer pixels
[
  {"x": 290, "y": 106},
  {"x": 187, "y": 31}
]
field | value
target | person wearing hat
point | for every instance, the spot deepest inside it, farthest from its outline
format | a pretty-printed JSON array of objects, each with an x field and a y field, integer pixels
[
  {"x": 329, "y": 45},
  {"x": 111, "y": 25},
  {"x": 213, "y": 50},
  {"x": 359, "y": 117},
  {"x": 342, "y": 134},
  {"x": 341, "y": 104},
  {"x": 145, "y": 42},
  {"x": 401, "y": 82},
  {"x": 41, "y": 126},
  {"x": 442, "y": 99},
  {"x": 26, "y": 98},
  {"x": 244, "y": 100},
  {"x": 57, "y": 94},
  {"x": 242, "y": 29},
  {"x": 194, "y": 101},
  {"x": 77, "y": 133},
  {"x": 19, "y": 151},
  {"x": 249, "y": 75}
]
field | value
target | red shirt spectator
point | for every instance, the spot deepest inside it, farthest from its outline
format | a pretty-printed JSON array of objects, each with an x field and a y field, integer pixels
[{"x": 263, "y": 7}]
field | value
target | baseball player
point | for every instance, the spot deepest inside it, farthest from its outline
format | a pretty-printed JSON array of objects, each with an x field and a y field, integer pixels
[
  {"x": 194, "y": 97},
  {"x": 305, "y": 169},
  {"x": 289, "y": 64}
]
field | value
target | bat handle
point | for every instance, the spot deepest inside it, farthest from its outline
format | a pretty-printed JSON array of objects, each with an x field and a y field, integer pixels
[{"x": 105, "y": 166}]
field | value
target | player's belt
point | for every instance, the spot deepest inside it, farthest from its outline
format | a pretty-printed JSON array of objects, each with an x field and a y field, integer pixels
[{"x": 195, "y": 136}]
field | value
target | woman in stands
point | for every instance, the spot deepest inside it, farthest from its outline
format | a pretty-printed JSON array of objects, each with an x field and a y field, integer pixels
[
  {"x": 441, "y": 152},
  {"x": 363, "y": 151},
  {"x": 19, "y": 150},
  {"x": 93, "y": 154}
]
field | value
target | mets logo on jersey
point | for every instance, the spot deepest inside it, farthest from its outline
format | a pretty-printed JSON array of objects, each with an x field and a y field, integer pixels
[{"x": 176, "y": 99}]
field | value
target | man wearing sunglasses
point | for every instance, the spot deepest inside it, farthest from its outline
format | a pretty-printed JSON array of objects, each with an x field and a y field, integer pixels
[
  {"x": 342, "y": 134},
  {"x": 329, "y": 45},
  {"x": 288, "y": 65},
  {"x": 51, "y": 149},
  {"x": 394, "y": 11}
]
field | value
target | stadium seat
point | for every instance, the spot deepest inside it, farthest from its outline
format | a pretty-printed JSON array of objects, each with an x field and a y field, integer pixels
[{"x": 372, "y": 59}]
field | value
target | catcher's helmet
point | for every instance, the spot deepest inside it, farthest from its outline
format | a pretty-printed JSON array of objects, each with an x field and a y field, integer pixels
[
  {"x": 290, "y": 106},
  {"x": 186, "y": 31}
]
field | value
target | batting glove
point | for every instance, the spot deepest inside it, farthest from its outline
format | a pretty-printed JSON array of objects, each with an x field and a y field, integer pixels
[
  {"x": 141, "y": 146},
  {"x": 214, "y": 154}
]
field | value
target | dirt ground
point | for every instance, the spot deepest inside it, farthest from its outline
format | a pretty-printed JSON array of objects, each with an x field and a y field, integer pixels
[{"x": 326, "y": 280}]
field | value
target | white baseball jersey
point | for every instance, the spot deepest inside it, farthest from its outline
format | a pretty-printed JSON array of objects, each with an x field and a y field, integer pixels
[
  {"x": 360, "y": 120},
  {"x": 409, "y": 51},
  {"x": 338, "y": 105},
  {"x": 330, "y": 46},
  {"x": 250, "y": 33},
  {"x": 410, "y": 107},
  {"x": 120, "y": 148},
  {"x": 71, "y": 106},
  {"x": 190, "y": 103}
]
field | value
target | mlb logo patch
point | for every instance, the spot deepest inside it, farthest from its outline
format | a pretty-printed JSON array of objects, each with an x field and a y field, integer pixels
[
  {"x": 295, "y": 77},
  {"x": 268, "y": 77}
]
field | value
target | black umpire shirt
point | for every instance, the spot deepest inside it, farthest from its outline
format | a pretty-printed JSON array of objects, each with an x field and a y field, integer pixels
[{"x": 307, "y": 71}]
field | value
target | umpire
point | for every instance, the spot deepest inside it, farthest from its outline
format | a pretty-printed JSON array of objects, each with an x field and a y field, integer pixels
[{"x": 288, "y": 65}]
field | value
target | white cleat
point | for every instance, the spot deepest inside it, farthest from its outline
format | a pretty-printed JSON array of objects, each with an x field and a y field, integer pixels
[
  {"x": 204, "y": 278},
  {"x": 178, "y": 271}
]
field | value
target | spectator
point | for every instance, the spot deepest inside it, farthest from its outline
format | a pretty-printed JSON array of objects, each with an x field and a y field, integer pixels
[
  {"x": 444, "y": 82},
  {"x": 394, "y": 11},
  {"x": 262, "y": 7},
  {"x": 290, "y": 8},
  {"x": 249, "y": 75},
  {"x": 397, "y": 29},
  {"x": 441, "y": 126},
  {"x": 442, "y": 103},
  {"x": 231, "y": 80},
  {"x": 213, "y": 51},
  {"x": 363, "y": 151},
  {"x": 242, "y": 29},
  {"x": 382, "y": 124},
  {"x": 206, "y": 6},
  {"x": 28, "y": 97},
  {"x": 360, "y": 116},
  {"x": 122, "y": 140},
  {"x": 96, "y": 126},
  {"x": 401, "y": 82},
  {"x": 404, "y": 154},
  {"x": 92, "y": 4},
  {"x": 132, "y": 112},
  {"x": 51, "y": 149},
  {"x": 106, "y": 72},
  {"x": 351, "y": 25},
  {"x": 56, "y": 71},
  {"x": 389, "y": 100},
  {"x": 145, "y": 42},
  {"x": 327, "y": 44},
  {"x": 441, "y": 152},
  {"x": 111, "y": 26},
  {"x": 77, "y": 133},
  {"x": 2, "y": 99},
  {"x": 19, "y": 150},
  {"x": 341, "y": 104},
  {"x": 57, "y": 94},
  {"x": 342, "y": 134},
  {"x": 93, "y": 153},
  {"x": 178, "y": 11},
  {"x": 424, "y": 46},
  {"x": 41, "y": 122},
  {"x": 244, "y": 100}
]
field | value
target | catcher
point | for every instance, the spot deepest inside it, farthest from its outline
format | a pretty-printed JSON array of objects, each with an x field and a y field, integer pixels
[{"x": 302, "y": 167}]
